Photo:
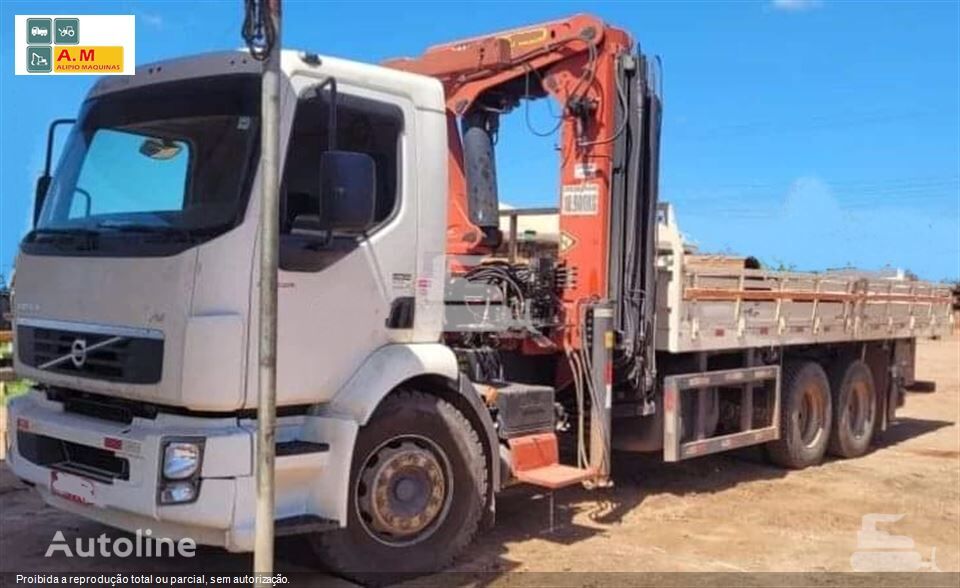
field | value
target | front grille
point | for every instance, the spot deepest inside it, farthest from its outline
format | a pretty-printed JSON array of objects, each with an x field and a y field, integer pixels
[
  {"x": 67, "y": 456},
  {"x": 118, "y": 358}
]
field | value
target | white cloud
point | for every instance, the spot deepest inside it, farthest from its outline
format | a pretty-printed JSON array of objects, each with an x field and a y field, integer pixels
[
  {"x": 154, "y": 20},
  {"x": 795, "y": 5}
]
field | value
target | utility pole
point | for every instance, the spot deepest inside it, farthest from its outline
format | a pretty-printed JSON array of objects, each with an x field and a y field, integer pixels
[
  {"x": 261, "y": 31},
  {"x": 601, "y": 397}
]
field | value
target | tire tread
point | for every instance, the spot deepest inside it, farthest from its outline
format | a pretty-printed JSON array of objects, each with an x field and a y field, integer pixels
[
  {"x": 783, "y": 452},
  {"x": 838, "y": 374}
]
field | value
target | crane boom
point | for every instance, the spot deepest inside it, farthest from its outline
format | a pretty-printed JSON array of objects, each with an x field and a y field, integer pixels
[
  {"x": 606, "y": 170},
  {"x": 469, "y": 67}
]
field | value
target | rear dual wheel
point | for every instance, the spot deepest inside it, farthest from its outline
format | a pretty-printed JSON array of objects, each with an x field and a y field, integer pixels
[
  {"x": 855, "y": 409},
  {"x": 805, "y": 417},
  {"x": 821, "y": 413}
]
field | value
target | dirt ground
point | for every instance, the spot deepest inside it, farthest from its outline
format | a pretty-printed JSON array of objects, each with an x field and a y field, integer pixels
[{"x": 723, "y": 513}]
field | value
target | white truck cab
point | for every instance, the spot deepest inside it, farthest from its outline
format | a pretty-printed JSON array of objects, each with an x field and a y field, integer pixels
[{"x": 136, "y": 296}]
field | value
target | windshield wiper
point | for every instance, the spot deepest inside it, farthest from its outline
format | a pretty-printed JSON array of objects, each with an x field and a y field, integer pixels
[
  {"x": 62, "y": 233},
  {"x": 132, "y": 227},
  {"x": 78, "y": 237},
  {"x": 70, "y": 231},
  {"x": 163, "y": 232}
]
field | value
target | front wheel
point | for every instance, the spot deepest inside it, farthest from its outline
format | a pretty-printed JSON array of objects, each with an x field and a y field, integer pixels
[{"x": 417, "y": 490}]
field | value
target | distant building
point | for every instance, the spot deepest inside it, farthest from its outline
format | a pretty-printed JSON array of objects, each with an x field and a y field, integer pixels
[{"x": 537, "y": 234}]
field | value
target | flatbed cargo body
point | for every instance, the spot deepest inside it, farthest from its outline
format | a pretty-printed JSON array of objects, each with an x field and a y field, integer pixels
[{"x": 702, "y": 308}]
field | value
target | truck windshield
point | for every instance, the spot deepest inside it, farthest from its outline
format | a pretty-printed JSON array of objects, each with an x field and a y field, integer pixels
[{"x": 153, "y": 170}]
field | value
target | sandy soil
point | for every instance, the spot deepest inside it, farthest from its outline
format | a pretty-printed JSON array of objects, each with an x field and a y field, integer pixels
[
  {"x": 717, "y": 513},
  {"x": 736, "y": 513}
]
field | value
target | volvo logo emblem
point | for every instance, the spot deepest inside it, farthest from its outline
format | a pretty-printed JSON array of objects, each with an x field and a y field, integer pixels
[{"x": 78, "y": 352}]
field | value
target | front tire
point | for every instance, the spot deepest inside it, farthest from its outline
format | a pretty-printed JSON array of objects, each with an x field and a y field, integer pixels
[
  {"x": 805, "y": 417},
  {"x": 418, "y": 486},
  {"x": 854, "y": 409}
]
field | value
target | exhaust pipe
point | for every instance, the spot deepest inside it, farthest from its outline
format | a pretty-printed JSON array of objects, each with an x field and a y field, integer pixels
[{"x": 479, "y": 127}]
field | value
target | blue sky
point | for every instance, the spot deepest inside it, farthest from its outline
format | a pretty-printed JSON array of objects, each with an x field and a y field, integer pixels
[{"x": 809, "y": 134}]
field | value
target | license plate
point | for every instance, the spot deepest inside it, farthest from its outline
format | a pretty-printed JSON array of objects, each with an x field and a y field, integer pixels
[{"x": 72, "y": 488}]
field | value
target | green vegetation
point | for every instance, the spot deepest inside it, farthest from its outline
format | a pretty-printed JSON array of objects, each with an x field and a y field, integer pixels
[{"x": 16, "y": 387}]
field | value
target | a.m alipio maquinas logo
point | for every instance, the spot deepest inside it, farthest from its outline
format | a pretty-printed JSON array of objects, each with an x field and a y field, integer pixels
[{"x": 75, "y": 45}]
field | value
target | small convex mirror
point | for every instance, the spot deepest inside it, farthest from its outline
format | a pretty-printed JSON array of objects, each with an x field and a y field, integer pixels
[{"x": 160, "y": 149}]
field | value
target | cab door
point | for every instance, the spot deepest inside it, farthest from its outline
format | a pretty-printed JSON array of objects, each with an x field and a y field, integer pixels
[{"x": 342, "y": 295}]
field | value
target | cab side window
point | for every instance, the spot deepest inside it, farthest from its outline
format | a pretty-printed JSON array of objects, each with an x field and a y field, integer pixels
[{"x": 364, "y": 126}]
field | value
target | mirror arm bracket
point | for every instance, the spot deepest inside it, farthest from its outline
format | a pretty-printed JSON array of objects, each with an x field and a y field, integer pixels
[
  {"x": 43, "y": 182},
  {"x": 50, "y": 133},
  {"x": 332, "y": 122}
]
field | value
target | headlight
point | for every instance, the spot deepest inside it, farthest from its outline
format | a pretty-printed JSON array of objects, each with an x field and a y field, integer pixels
[
  {"x": 180, "y": 460},
  {"x": 179, "y": 492}
]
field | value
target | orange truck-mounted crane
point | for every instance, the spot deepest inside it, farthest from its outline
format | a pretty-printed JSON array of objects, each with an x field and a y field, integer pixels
[
  {"x": 609, "y": 125},
  {"x": 589, "y": 68}
]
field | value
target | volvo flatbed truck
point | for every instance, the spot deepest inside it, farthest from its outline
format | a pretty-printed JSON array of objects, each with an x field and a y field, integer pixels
[{"x": 419, "y": 370}]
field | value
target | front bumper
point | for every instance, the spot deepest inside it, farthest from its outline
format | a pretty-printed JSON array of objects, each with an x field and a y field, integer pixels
[{"x": 223, "y": 512}]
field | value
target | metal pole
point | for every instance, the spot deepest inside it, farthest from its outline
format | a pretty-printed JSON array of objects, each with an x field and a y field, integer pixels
[
  {"x": 514, "y": 245},
  {"x": 601, "y": 400},
  {"x": 269, "y": 246}
]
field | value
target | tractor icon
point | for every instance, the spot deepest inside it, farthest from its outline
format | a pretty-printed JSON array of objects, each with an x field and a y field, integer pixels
[{"x": 66, "y": 31}]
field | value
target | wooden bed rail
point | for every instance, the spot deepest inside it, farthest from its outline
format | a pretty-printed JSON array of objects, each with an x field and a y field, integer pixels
[{"x": 731, "y": 294}]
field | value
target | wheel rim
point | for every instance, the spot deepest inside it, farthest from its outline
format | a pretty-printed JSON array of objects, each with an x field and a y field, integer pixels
[
  {"x": 404, "y": 490},
  {"x": 811, "y": 416},
  {"x": 859, "y": 410}
]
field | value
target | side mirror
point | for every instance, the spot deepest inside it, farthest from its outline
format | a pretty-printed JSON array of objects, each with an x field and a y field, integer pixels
[
  {"x": 43, "y": 182},
  {"x": 348, "y": 190}
]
